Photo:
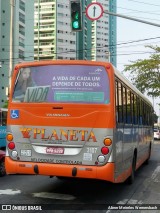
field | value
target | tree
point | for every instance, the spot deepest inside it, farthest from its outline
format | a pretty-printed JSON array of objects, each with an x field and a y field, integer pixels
[
  {"x": 5, "y": 104},
  {"x": 146, "y": 73}
]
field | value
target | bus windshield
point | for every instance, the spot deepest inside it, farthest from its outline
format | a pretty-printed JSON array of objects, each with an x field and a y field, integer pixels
[{"x": 64, "y": 84}]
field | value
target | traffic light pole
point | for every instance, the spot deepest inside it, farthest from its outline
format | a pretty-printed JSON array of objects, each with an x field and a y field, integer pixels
[{"x": 130, "y": 18}]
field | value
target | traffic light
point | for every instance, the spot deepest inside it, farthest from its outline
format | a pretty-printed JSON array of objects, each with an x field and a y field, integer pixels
[{"x": 76, "y": 15}]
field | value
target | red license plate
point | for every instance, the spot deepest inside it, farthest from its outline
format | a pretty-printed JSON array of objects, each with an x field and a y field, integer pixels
[{"x": 55, "y": 150}]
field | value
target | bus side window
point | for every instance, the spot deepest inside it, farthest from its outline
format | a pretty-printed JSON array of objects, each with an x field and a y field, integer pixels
[
  {"x": 140, "y": 112},
  {"x": 124, "y": 105},
  {"x": 135, "y": 109},
  {"x": 128, "y": 107},
  {"x": 116, "y": 101},
  {"x": 120, "y": 103}
]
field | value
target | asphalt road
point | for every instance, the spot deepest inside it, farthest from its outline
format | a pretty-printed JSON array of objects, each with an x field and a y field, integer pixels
[{"x": 74, "y": 195}]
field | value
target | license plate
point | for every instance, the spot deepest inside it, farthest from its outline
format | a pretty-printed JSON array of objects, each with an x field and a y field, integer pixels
[
  {"x": 55, "y": 150},
  {"x": 26, "y": 152}
]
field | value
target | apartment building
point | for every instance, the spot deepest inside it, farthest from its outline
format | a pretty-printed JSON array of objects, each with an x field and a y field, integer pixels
[
  {"x": 113, "y": 33},
  {"x": 53, "y": 38},
  {"x": 41, "y": 30},
  {"x": 16, "y": 39}
]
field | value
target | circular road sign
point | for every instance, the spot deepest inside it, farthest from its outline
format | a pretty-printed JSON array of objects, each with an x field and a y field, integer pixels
[{"x": 94, "y": 11}]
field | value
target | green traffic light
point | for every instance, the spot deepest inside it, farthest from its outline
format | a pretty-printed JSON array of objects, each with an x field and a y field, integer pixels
[
  {"x": 75, "y": 24},
  {"x": 76, "y": 15}
]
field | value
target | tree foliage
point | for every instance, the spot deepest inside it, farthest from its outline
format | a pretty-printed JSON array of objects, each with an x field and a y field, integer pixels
[
  {"x": 5, "y": 104},
  {"x": 146, "y": 73}
]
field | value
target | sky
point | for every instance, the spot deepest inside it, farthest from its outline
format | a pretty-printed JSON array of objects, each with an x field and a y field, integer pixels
[{"x": 139, "y": 34}]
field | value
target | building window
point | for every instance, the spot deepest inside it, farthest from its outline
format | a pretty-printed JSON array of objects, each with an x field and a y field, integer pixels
[
  {"x": 60, "y": 40},
  {"x": 21, "y": 30},
  {"x": 60, "y": 5},
  {"x": 22, "y": 18},
  {"x": 21, "y": 54},
  {"x": 22, "y": 5}
]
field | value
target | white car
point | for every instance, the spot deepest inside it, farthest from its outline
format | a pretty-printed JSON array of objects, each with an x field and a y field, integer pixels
[{"x": 156, "y": 134}]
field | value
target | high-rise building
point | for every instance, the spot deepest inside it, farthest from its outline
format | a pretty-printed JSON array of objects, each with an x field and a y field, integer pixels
[
  {"x": 16, "y": 39},
  {"x": 41, "y": 29},
  {"x": 53, "y": 38},
  {"x": 113, "y": 33}
]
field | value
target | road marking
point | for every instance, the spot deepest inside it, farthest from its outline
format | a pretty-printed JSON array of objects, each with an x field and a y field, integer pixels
[
  {"x": 155, "y": 174},
  {"x": 9, "y": 192},
  {"x": 54, "y": 196},
  {"x": 130, "y": 201}
]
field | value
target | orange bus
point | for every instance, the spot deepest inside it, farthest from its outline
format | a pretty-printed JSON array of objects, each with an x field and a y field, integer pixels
[{"x": 80, "y": 119}]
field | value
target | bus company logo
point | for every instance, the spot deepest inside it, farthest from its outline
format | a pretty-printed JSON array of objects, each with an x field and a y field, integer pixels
[
  {"x": 59, "y": 135},
  {"x": 98, "y": 70}
]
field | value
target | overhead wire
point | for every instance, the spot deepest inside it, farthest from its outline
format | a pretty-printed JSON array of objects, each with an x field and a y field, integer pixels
[
  {"x": 123, "y": 43},
  {"x": 141, "y": 2}
]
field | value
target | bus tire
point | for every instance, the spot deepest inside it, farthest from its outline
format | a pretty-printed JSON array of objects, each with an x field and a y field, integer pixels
[
  {"x": 147, "y": 161},
  {"x": 132, "y": 176},
  {"x": 2, "y": 168}
]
